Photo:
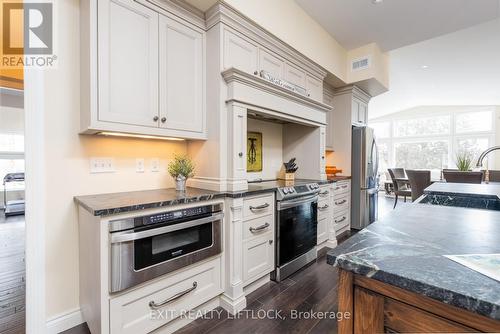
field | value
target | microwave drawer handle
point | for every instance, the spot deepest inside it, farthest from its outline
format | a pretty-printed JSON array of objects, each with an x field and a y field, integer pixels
[
  {"x": 341, "y": 202},
  {"x": 259, "y": 228},
  {"x": 260, "y": 207},
  {"x": 340, "y": 220},
  {"x": 131, "y": 235},
  {"x": 155, "y": 306}
]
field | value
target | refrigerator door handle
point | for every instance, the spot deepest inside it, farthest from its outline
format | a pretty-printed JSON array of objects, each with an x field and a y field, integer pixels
[{"x": 375, "y": 168}]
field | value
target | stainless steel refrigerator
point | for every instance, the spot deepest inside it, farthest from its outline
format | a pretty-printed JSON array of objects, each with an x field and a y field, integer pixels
[{"x": 364, "y": 169}]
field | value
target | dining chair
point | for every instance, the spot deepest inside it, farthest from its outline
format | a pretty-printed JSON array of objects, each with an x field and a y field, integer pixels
[
  {"x": 419, "y": 180},
  {"x": 401, "y": 187},
  {"x": 455, "y": 176}
]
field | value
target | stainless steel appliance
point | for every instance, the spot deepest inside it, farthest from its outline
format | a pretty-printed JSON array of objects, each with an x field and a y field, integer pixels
[
  {"x": 364, "y": 180},
  {"x": 146, "y": 247},
  {"x": 296, "y": 228}
]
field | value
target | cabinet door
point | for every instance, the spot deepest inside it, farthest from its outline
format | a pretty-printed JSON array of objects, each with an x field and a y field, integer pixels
[
  {"x": 181, "y": 76},
  {"x": 128, "y": 63},
  {"x": 355, "y": 111},
  {"x": 363, "y": 113},
  {"x": 322, "y": 147},
  {"x": 314, "y": 88},
  {"x": 322, "y": 230},
  {"x": 329, "y": 126},
  {"x": 258, "y": 257},
  {"x": 239, "y": 53},
  {"x": 295, "y": 75},
  {"x": 271, "y": 64}
]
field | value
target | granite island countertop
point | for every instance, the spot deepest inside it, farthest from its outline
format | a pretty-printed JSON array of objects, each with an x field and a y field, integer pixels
[
  {"x": 115, "y": 203},
  {"x": 406, "y": 249},
  {"x": 471, "y": 190}
]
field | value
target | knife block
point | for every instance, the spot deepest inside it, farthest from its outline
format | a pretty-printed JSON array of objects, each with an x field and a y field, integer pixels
[{"x": 289, "y": 176}]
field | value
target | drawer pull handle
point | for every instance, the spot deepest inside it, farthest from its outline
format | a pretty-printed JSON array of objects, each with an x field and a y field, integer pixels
[
  {"x": 259, "y": 228},
  {"x": 324, "y": 193},
  {"x": 340, "y": 220},
  {"x": 342, "y": 187},
  {"x": 341, "y": 202},
  {"x": 155, "y": 306},
  {"x": 260, "y": 207},
  {"x": 324, "y": 207}
]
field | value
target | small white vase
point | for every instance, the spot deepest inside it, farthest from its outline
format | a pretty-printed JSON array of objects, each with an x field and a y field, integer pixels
[{"x": 180, "y": 183}]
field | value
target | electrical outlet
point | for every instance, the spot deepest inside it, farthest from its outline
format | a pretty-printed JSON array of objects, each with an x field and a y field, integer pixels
[
  {"x": 139, "y": 165},
  {"x": 155, "y": 165},
  {"x": 102, "y": 165}
]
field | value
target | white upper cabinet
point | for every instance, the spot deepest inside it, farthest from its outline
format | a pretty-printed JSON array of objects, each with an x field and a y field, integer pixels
[
  {"x": 327, "y": 99},
  {"x": 359, "y": 112},
  {"x": 128, "y": 63},
  {"x": 314, "y": 88},
  {"x": 240, "y": 53},
  {"x": 181, "y": 76},
  {"x": 295, "y": 75},
  {"x": 271, "y": 64}
]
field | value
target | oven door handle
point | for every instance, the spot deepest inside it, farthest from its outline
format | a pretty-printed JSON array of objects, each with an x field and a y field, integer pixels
[
  {"x": 131, "y": 235},
  {"x": 296, "y": 202}
]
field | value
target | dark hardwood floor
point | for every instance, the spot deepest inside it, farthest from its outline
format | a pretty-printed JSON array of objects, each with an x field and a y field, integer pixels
[{"x": 12, "y": 275}]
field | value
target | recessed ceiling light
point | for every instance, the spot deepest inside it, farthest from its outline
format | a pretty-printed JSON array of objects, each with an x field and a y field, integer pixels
[
  {"x": 377, "y": 1},
  {"x": 424, "y": 67}
]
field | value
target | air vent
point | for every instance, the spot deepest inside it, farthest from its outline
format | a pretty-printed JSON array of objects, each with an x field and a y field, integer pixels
[{"x": 360, "y": 63}]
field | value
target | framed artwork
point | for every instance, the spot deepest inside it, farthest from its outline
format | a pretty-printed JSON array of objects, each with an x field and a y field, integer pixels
[{"x": 254, "y": 152}]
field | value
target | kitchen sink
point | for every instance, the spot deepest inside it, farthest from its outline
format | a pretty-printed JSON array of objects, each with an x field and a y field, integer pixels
[{"x": 474, "y": 202}]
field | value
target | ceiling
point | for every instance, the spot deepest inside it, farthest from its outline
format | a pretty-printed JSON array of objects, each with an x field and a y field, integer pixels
[
  {"x": 461, "y": 68},
  {"x": 396, "y": 23}
]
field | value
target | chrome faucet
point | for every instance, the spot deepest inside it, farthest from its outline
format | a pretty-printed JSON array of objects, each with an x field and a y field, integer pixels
[{"x": 484, "y": 154}]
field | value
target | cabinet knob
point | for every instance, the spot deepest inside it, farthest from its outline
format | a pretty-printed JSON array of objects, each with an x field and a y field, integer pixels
[
  {"x": 156, "y": 118},
  {"x": 270, "y": 242},
  {"x": 308, "y": 94},
  {"x": 163, "y": 119},
  {"x": 323, "y": 157},
  {"x": 240, "y": 154},
  {"x": 255, "y": 72}
]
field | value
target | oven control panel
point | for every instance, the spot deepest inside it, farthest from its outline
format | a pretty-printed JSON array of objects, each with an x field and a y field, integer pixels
[{"x": 291, "y": 192}]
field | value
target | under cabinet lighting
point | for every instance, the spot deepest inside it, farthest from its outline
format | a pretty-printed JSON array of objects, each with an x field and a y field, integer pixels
[{"x": 130, "y": 135}]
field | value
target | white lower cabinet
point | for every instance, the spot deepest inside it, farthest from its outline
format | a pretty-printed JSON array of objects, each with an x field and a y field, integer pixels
[
  {"x": 138, "y": 311},
  {"x": 322, "y": 230},
  {"x": 258, "y": 257},
  {"x": 341, "y": 206}
]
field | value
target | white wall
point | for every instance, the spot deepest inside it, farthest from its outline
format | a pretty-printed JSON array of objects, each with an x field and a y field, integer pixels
[
  {"x": 272, "y": 148},
  {"x": 67, "y": 164}
]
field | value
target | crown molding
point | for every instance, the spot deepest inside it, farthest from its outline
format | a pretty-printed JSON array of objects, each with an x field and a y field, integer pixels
[
  {"x": 355, "y": 91},
  {"x": 179, "y": 8},
  {"x": 223, "y": 13}
]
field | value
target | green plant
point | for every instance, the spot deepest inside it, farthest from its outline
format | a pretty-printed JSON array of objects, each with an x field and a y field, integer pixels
[
  {"x": 181, "y": 166},
  {"x": 463, "y": 161}
]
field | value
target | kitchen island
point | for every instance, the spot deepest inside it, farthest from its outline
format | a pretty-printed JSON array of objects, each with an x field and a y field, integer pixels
[{"x": 394, "y": 275}]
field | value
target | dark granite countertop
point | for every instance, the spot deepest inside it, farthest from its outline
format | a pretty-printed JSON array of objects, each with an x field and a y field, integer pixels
[
  {"x": 406, "y": 249},
  {"x": 471, "y": 190},
  {"x": 115, "y": 203}
]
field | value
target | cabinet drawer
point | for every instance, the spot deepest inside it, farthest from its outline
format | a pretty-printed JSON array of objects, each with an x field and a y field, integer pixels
[
  {"x": 324, "y": 209},
  {"x": 259, "y": 226},
  {"x": 258, "y": 257},
  {"x": 325, "y": 192},
  {"x": 341, "y": 203},
  {"x": 132, "y": 312},
  {"x": 342, "y": 187},
  {"x": 258, "y": 206},
  {"x": 341, "y": 220}
]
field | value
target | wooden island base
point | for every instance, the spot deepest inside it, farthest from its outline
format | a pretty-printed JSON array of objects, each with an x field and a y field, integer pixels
[{"x": 380, "y": 308}]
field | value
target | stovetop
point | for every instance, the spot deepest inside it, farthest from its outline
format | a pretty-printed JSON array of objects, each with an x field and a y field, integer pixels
[{"x": 287, "y": 189}]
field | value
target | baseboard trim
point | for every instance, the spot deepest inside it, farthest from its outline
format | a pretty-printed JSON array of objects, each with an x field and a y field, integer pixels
[{"x": 64, "y": 321}]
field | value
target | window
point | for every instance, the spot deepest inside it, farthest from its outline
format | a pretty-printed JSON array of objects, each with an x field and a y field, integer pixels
[
  {"x": 422, "y": 155},
  {"x": 478, "y": 121},
  {"x": 439, "y": 125},
  {"x": 381, "y": 129},
  {"x": 432, "y": 140}
]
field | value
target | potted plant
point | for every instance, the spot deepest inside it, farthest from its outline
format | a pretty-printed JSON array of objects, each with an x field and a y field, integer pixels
[
  {"x": 464, "y": 161},
  {"x": 181, "y": 168}
]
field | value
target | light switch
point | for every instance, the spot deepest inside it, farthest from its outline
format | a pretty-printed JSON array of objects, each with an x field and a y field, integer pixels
[
  {"x": 139, "y": 165},
  {"x": 155, "y": 165}
]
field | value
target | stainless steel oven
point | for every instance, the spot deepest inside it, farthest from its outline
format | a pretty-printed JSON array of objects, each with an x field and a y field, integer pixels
[
  {"x": 146, "y": 247},
  {"x": 296, "y": 229}
]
